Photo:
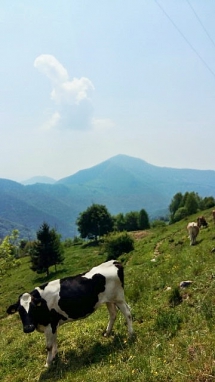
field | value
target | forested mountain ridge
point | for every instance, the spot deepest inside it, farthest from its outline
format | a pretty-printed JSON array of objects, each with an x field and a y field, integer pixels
[
  {"x": 121, "y": 183},
  {"x": 132, "y": 171}
]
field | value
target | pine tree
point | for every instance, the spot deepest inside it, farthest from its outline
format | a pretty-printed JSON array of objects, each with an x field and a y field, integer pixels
[
  {"x": 47, "y": 250},
  {"x": 143, "y": 220}
]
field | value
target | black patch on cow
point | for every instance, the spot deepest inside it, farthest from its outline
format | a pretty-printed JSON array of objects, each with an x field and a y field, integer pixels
[
  {"x": 41, "y": 314},
  {"x": 35, "y": 294},
  {"x": 79, "y": 295},
  {"x": 43, "y": 286},
  {"x": 55, "y": 318},
  {"x": 120, "y": 272}
]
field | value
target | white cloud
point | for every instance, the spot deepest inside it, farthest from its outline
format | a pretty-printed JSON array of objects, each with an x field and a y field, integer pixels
[
  {"x": 72, "y": 92},
  {"x": 52, "y": 121},
  {"x": 72, "y": 98},
  {"x": 51, "y": 67}
]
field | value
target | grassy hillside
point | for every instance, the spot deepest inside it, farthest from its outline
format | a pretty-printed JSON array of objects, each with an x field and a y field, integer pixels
[{"x": 174, "y": 327}]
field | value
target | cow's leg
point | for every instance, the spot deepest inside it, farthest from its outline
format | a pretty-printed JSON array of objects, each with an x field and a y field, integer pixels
[
  {"x": 127, "y": 314},
  {"x": 112, "y": 312},
  {"x": 51, "y": 344}
]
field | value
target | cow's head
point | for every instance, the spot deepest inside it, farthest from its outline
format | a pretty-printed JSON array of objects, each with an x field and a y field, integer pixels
[{"x": 26, "y": 306}]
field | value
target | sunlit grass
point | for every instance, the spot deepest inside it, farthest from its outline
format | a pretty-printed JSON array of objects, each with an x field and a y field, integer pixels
[{"x": 174, "y": 327}]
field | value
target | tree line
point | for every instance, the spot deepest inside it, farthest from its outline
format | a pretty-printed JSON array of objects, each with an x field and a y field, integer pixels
[
  {"x": 93, "y": 223},
  {"x": 183, "y": 205},
  {"x": 96, "y": 221},
  {"x": 48, "y": 250}
]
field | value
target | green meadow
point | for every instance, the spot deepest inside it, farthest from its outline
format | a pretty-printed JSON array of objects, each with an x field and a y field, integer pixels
[{"x": 174, "y": 327}]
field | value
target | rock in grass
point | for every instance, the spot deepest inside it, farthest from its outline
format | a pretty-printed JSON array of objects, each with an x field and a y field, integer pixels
[{"x": 185, "y": 284}]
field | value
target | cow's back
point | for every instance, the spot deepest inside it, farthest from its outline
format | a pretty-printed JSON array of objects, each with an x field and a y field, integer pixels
[
  {"x": 114, "y": 281},
  {"x": 193, "y": 231}
]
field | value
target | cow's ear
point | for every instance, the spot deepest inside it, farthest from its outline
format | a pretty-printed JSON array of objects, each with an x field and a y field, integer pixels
[{"x": 13, "y": 308}]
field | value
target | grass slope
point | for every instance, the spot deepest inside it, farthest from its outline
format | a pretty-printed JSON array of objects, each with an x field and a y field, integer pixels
[{"x": 174, "y": 327}]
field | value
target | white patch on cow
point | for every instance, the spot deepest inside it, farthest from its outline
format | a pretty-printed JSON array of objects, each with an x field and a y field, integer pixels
[
  {"x": 25, "y": 301},
  {"x": 105, "y": 269},
  {"x": 51, "y": 294},
  {"x": 114, "y": 291}
]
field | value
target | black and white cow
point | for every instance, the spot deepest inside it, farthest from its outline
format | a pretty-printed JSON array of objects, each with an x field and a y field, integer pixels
[{"x": 72, "y": 298}]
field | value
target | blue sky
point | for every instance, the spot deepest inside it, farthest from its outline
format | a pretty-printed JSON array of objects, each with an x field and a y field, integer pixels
[{"x": 82, "y": 81}]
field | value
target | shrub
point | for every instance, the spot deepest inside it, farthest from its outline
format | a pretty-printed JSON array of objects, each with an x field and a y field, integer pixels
[
  {"x": 68, "y": 243},
  {"x": 158, "y": 224},
  {"x": 175, "y": 297},
  {"x": 180, "y": 214},
  {"x": 118, "y": 243}
]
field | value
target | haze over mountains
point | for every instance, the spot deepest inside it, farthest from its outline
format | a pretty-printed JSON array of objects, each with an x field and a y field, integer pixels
[
  {"x": 38, "y": 179},
  {"x": 121, "y": 183}
]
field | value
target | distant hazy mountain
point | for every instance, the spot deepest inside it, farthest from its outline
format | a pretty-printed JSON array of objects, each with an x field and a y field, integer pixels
[
  {"x": 121, "y": 183},
  {"x": 38, "y": 179}
]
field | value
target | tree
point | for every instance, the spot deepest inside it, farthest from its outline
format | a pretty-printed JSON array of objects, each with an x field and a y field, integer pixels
[
  {"x": 9, "y": 252},
  {"x": 191, "y": 203},
  {"x": 96, "y": 221},
  {"x": 143, "y": 220},
  {"x": 208, "y": 202},
  {"x": 119, "y": 222},
  {"x": 131, "y": 221},
  {"x": 185, "y": 205},
  {"x": 181, "y": 213},
  {"x": 176, "y": 203},
  {"x": 47, "y": 250}
]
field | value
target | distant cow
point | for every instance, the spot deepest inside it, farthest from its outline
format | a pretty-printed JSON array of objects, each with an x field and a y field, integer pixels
[
  {"x": 201, "y": 222},
  {"x": 193, "y": 231},
  {"x": 213, "y": 213},
  {"x": 72, "y": 298}
]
